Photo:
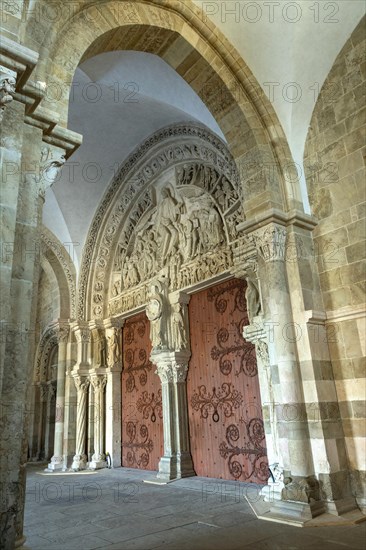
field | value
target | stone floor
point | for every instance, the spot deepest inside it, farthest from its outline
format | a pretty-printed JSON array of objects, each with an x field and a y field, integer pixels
[{"x": 117, "y": 510}]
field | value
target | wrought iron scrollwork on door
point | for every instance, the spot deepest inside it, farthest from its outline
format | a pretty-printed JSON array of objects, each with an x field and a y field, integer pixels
[
  {"x": 150, "y": 405},
  {"x": 225, "y": 399},
  {"x": 234, "y": 287},
  {"x": 252, "y": 449},
  {"x": 139, "y": 452}
]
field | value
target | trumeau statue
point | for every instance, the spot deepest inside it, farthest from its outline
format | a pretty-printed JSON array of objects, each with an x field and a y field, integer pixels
[{"x": 156, "y": 312}]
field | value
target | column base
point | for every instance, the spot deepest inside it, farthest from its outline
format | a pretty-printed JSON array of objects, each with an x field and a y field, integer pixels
[
  {"x": 79, "y": 463},
  {"x": 272, "y": 491},
  {"x": 341, "y": 506},
  {"x": 20, "y": 542},
  {"x": 97, "y": 464},
  {"x": 297, "y": 511},
  {"x": 175, "y": 467},
  {"x": 54, "y": 465}
]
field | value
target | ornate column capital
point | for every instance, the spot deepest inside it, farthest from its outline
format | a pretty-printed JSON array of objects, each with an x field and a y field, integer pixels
[
  {"x": 98, "y": 381},
  {"x": 7, "y": 88},
  {"x": 81, "y": 383},
  {"x": 62, "y": 332},
  {"x": 171, "y": 367},
  {"x": 82, "y": 332},
  {"x": 270, "y": 241}
]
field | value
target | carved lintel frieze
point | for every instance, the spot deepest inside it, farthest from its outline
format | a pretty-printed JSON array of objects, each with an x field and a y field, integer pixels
[{"x": 7, "y": 88}]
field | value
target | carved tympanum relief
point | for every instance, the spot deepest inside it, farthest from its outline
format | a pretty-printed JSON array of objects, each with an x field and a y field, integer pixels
[{"x": 182, "y": 238}]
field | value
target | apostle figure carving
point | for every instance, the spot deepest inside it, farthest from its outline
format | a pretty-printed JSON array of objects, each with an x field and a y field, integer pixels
[
  {"x": 114, "y": 352},
  {"x": 252, "y": 296},
  {"x": 167, "y": 219},
  {"x": 156, "y": 312},
  {"x": 102, "y": 351},
  {"x": 179, "y": 333},
  {"x": 184, "y": 225}
]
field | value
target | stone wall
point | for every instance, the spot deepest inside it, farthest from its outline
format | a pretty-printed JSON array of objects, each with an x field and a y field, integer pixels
[
  {"x": 48, "y": 300},
  {"x": 335, "y": 174}
]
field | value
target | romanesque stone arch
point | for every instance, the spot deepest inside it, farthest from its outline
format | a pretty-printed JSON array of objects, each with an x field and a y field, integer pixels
[
  {"x": 225, "y": 83},
  {"x": 56, "y": 256}
]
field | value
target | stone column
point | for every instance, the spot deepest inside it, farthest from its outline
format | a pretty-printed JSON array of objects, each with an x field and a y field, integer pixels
[
  {"x": 69, "y": 445},
  {"x": 43, "y": 392},
  {"x": 98, "y": 382},
  {"x": 57, "y": 460},
  {"x": 113, "y": 411},
  {"x": 82, "y": 387},
  {"x": 51, "y": 392},
  {"x": 301, "y": 486},
  {"x": 82, "y": 381},
  {"x": 172, "y": 370}
]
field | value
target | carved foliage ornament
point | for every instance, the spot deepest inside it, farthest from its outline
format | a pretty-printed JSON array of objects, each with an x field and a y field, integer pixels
[{"x": 172, "y": 372}]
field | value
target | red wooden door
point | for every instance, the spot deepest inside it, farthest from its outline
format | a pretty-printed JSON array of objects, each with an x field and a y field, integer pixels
[
  {"x": 225, "y": 416},
  {"x": 142, "y": 416}
]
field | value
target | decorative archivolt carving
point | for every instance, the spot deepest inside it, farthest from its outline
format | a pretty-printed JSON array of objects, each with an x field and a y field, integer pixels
[
  {"x": 46, "y": 344},
  {"x": 51, "y": 242},
  {"x": 7, "y": 89},
  {"x": 141, "y": 168}
]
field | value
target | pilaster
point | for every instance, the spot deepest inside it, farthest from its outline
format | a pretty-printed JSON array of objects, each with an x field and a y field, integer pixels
[
  {"x": 113, "y": 425},
  {"x": 172, "y": 367}
]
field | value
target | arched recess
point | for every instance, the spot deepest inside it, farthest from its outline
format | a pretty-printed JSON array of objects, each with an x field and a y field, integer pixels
[
  {"x": 57, "y": 258},
  {"x": 181, "y": 35},
  {"x": 180, "y": 156}
]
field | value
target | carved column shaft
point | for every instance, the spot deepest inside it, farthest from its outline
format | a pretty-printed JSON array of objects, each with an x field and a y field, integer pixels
[
  {"x": 40, "y": 437},
  {"x": 172, "y": 370},
  {"x": 98, "y": 383},
  {"x": 82, "y": 386},
  {"x": 57, "y": 461},
  {"x": 49, "y": 404}
]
